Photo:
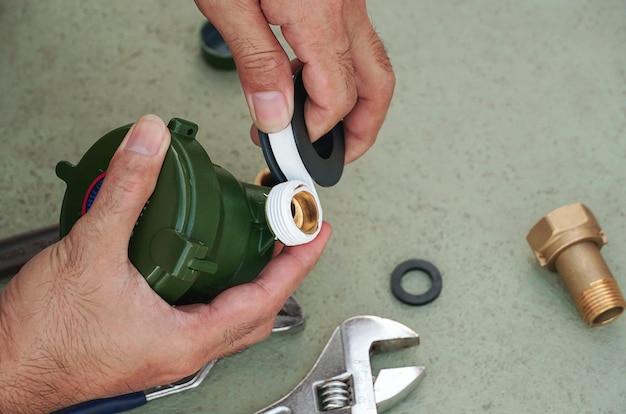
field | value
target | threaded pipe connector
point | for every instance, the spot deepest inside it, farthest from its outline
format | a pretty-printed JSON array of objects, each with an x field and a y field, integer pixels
[
  {"x": 264, "y": 178},
  {"x": 568, "y": 241}
]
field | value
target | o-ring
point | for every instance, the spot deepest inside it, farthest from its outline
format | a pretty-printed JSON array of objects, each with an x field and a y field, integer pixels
[{"x": 408, "y": 298}]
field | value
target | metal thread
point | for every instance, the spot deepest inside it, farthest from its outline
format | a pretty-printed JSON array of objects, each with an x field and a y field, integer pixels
[
  {"x": 601, "y": 303},
  {"x": 334, "y": 395}
]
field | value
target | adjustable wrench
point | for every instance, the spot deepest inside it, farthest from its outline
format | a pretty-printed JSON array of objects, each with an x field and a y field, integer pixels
[{"x": 341, "y": 380}]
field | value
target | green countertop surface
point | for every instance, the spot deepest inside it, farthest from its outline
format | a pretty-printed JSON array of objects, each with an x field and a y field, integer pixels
[{"x": 503, "y": 111}]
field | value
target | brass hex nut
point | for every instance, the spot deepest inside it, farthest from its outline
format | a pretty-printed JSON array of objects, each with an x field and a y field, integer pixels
[{"x": 560, "y": 229}]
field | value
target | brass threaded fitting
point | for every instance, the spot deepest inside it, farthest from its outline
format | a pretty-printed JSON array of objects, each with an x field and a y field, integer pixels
[
  {"x": 568, "y": 241},
  {"x": 304, "y": 212},
  {"x": 264, "y": 178},
  {"x": 303, "y": 205}
]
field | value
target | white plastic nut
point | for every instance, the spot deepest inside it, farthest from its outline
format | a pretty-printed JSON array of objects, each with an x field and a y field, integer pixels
[{"x": 293, "y": 212}]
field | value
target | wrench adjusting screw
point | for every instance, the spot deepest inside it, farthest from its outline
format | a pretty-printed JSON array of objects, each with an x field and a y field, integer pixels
[{"x": 334, "y": 395}]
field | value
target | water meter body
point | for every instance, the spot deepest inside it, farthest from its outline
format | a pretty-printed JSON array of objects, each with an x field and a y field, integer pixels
[{"x": 201, "y": 232}]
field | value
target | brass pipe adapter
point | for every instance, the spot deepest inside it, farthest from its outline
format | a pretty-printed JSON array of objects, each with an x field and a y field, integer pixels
[{"x": 568, "y": 240}]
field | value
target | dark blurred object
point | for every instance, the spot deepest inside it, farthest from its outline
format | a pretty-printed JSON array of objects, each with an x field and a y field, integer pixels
[
  {"x": 17, "y": 250},
  {"x": 214, "y": 49}
]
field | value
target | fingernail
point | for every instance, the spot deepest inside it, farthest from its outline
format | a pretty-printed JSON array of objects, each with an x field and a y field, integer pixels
[
  {"x": 146, "y": 136},
  {"x": 270, "y": 111}
]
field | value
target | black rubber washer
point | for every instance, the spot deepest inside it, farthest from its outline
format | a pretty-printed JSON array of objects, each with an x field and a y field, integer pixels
[
  {"x": 323, "y": 159},
  {"x": 408, "y": 298}
]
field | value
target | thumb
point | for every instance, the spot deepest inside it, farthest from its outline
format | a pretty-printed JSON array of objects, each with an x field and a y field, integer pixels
[
  {"x": 130, "y": 179},
  {"x": 263, "y": 67}
]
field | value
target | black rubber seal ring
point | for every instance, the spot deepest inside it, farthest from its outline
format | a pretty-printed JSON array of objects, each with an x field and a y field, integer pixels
[
  {"x": 323, "y": 159},
  {"x": 408, "y": 298}
]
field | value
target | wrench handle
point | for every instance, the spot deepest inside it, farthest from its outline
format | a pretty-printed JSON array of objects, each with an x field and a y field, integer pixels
[{"x": 107, "y": 405}]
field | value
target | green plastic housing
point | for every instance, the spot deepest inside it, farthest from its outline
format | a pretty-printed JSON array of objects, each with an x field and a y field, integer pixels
[{"x": 201, "y": 232}]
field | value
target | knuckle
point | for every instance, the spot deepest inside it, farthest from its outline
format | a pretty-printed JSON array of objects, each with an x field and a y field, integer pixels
[
  {"x": 109, "y": 200},
  {"x": 341, "y": 81},
  {"x": 275, "y": 12},
  {"x": 350, "y": 94},
  {"x": 128, "y": 178},
  {"x": 266, "y": 64},
  {"x": 383, "y": 67},
  {"x": 117, "y": 184}
]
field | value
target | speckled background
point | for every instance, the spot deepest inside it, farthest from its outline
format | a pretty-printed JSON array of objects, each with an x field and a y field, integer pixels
[{"x": 503, "y": 111}]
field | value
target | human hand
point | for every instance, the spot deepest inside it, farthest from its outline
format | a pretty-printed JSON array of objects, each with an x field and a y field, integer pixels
[
  {"x": 79, "y": 322},
  {"x": 345, "y": 67}
]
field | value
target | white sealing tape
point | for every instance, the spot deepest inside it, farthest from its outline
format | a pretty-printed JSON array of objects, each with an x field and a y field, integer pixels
[{"x": 278, "y": 207}]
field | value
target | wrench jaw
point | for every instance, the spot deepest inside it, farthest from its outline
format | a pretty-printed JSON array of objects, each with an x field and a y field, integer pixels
[
  {"x": 393, "y": 384},
  {"x": 390, "y": 345},
  {"x": 376, "y": 333},
  {"x": 366, "y": 335},
  {"x": 341, "y": 381}
]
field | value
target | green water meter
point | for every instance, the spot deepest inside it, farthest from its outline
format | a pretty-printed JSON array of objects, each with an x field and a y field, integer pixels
[{"x": 201, "y": 231}]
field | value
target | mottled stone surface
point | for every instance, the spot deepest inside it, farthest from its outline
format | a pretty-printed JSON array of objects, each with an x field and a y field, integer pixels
[{"x": 503, "y": 111}]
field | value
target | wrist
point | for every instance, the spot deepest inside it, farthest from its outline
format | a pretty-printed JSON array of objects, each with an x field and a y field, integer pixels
[
  {"x": 12, "y": 399},
  {"x": 26, "y": 386},
  {"x": 10, "y": 391},
  {"x": 27, "y": 389}
]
